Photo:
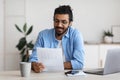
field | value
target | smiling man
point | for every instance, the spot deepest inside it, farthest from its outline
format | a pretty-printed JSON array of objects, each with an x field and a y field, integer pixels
[{"x": 61, "y": 36}]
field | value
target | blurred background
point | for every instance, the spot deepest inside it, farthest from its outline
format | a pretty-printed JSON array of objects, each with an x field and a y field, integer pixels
[{"x": 91, "y": 17}]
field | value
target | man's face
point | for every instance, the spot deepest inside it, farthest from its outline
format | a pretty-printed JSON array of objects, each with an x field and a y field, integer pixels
[{"x": 61, "y": 23}]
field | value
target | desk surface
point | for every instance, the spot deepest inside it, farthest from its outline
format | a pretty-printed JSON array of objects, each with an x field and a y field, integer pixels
[{"x": 15, "y": 75}]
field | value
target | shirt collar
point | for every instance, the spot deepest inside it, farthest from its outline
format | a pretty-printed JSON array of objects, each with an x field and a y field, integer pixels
[{"x": 67, "y": 33}]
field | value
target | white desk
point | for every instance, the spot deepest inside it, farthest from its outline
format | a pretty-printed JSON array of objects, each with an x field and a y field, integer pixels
[{"x": 15, "y": 75}]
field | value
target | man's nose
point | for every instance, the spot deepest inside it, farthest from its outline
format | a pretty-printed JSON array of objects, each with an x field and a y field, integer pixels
[{"x": 59, "y": 24}]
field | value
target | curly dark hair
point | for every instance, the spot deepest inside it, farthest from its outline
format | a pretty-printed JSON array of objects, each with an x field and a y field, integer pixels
[{"x": 64, "y": 9}]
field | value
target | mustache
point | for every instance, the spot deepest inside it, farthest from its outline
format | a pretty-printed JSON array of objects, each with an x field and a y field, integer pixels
[{"x": 58, "y": 28}]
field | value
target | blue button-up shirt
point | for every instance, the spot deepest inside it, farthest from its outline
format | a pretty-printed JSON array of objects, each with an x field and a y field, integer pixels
[{"x": 72, "y": 44}]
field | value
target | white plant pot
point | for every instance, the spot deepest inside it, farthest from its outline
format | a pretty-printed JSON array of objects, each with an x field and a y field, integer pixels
[
  {"x": 25, "y": 69},
  {"x": 108, "y": 39}
]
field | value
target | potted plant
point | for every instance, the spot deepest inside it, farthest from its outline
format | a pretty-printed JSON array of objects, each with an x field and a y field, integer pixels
[
  {"x": 24, "y": 46},
  {"x": 108, "y": 36}
]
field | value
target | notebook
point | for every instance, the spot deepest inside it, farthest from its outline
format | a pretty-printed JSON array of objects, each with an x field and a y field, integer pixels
[
  {"x": 51, "y": 58},
  {"x": 112, "y": 63}
]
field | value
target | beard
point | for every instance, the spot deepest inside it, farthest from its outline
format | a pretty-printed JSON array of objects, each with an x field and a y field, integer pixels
[{"x": 60, "y": 31}]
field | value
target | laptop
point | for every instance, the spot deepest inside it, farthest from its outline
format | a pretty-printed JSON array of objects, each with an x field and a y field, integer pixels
[
  {"x": 112, "y": 63},
  {"x": 51, "y": 58}
]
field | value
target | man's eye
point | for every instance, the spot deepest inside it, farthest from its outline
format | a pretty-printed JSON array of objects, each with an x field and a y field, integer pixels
[
  {"x": 64, "y": 22},
  {"x": 56, "y": 21}
]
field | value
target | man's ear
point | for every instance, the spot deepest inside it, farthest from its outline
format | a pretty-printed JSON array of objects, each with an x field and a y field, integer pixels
[{"x": 70, "y": 23}]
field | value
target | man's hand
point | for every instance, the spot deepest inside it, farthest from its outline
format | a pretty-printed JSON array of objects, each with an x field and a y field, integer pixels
[
  {"x": 37, "y": 67},
  {"x": 67, "y": 65}
]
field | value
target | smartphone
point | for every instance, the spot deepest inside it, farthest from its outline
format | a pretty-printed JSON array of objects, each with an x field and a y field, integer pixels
[{"x": 71, "y": 73}]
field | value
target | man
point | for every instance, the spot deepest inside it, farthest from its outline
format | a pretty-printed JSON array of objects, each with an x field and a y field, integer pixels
[{"x": 64, "y": 36}]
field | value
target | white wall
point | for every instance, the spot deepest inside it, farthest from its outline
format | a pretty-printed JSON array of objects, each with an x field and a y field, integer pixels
[
  {"x": 1, "y": 35},
  {"x": 91, "y": 17},
  {"x": 14, "y": 14}
]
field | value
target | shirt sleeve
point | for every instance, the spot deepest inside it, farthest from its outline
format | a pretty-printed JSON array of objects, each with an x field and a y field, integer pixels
[
  {"x": 78, "y": 52},
  {"x": 39, "y": 42}
]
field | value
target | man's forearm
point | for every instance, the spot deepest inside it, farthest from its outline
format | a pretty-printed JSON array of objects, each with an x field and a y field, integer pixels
[{"x": 67, "y": 65}]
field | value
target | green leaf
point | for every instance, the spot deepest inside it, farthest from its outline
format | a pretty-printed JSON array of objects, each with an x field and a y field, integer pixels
[
  {"x": 30, "y": 45},
  {"x": 25, "y": 27},
  {"x": 29, "y": 31},
  {"x": 25, "y": 58},
  {"x": 22, "y": 43},
  {"x": 22, "y": 52},
  {"x": 18, "y": 28},
  {"x": 108, "y": 33}
]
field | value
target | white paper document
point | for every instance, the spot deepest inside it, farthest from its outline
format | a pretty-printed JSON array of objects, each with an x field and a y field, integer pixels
[{"x": 51, "y": 58}]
